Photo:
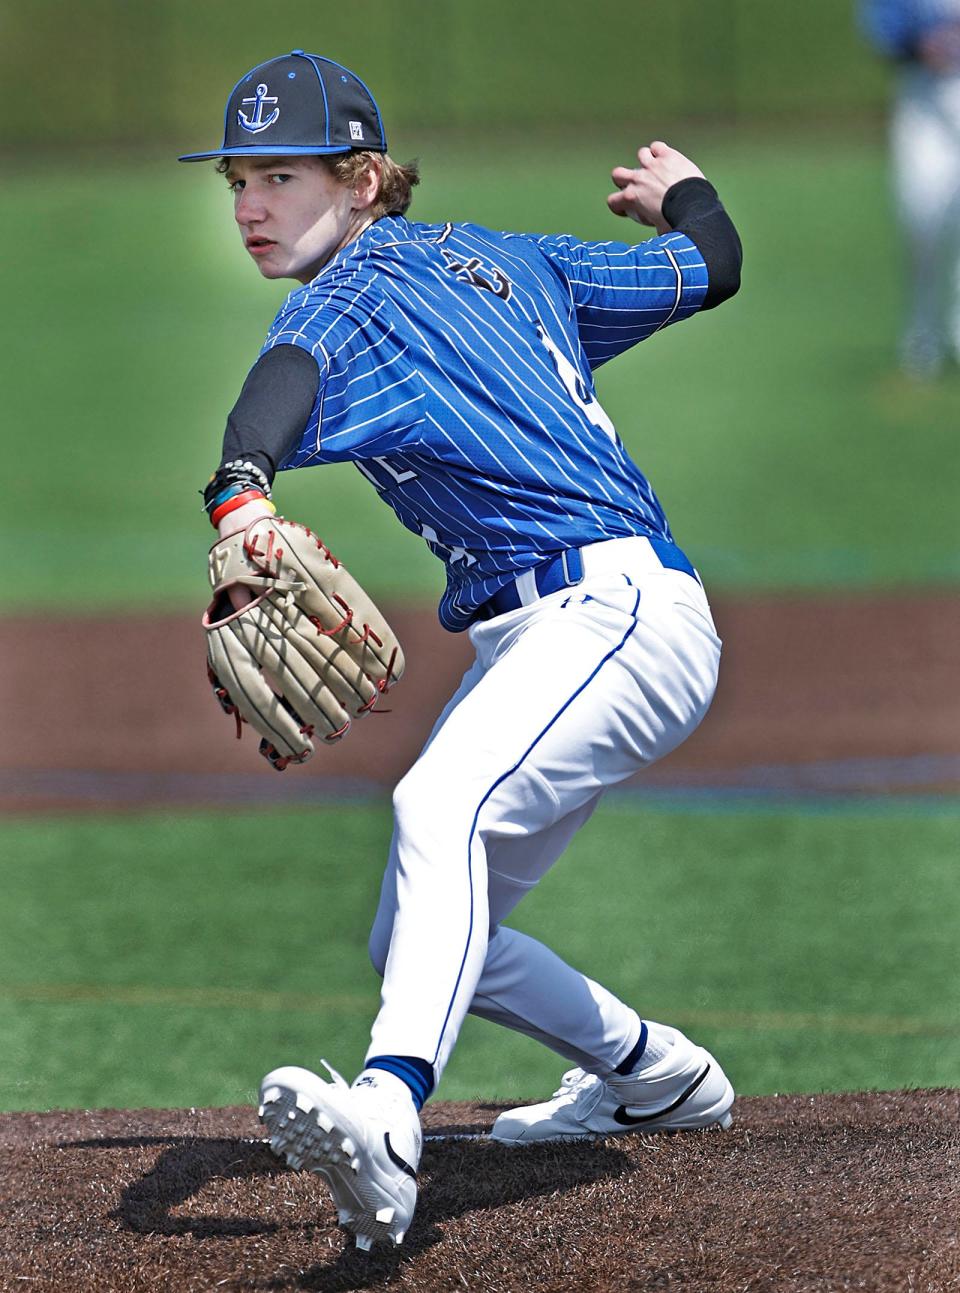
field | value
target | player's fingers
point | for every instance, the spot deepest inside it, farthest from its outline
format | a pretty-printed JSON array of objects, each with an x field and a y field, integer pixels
[
  {"x": 622, "y": 176},
  {"x": 622, "y": 199},
  {"x": 625, "y": 204},
  {"x": 645, "y": 156},
  {"x": 658, "y": 148}
]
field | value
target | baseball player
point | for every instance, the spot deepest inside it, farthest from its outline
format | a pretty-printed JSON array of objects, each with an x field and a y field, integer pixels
[
  {"x": 454, "y": 366},
  {"x": 923, "y": 38}
]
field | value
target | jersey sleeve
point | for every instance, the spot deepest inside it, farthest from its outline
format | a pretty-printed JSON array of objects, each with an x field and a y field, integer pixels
[
  {"x": 303, "y": 328},
  {"x": 268, "y": 420},
  {"x": 623, "y": 293},
  {"x": 368, "y": 402}
]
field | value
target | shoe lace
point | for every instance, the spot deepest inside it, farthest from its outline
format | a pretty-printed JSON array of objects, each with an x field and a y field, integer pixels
[
  {"x": 569, "y": 1082},
  {"x": 583, "y": 1090},
  {"x": 573, "y": 1082},
  {"x": 337, "y": 1079}
]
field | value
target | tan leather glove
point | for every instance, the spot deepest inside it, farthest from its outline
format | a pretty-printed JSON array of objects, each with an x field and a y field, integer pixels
[{"x": 309, "y": 654}]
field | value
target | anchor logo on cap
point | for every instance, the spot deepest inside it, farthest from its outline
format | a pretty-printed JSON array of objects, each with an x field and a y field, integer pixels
[{"x": 256, "y": 121}]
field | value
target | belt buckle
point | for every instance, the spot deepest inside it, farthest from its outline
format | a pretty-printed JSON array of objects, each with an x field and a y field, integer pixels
[{"x": 572, "y": 562}]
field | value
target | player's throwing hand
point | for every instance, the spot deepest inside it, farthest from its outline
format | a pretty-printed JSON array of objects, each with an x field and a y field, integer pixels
[{"x": 641, "y": 189}]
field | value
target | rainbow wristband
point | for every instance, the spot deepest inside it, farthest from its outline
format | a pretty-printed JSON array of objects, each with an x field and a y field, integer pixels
[{"x": 239, "y": 500}]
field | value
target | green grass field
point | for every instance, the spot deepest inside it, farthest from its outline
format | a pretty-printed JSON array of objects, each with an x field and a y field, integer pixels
[
  {"x": 171, "y": 960},
  {"x": 786, "y": 451}
]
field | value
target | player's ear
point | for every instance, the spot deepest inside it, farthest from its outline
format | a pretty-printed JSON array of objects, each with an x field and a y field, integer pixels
[{"x": 367, "y": 187}]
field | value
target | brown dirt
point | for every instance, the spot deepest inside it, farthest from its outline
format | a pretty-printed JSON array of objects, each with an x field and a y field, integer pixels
[
  {"x": 849, "y": 695},
  {"x": 825, "y": 1193}
]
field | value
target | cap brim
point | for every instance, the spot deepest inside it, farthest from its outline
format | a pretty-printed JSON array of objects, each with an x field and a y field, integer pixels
[{"x": 273, "y": 150}]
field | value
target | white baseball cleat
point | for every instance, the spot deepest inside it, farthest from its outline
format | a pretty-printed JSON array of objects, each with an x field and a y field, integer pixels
[
  {"x": 685, "y": 1091},
  {"x": 363, "y": 1140}
]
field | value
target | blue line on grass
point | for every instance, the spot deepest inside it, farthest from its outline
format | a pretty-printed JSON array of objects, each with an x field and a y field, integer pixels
[
  {"x": 831, "y": 776},
  {"x": 874, "y": 785},
  {"x": 775, "y": 802},
  {"x": 86, "y": 787}
]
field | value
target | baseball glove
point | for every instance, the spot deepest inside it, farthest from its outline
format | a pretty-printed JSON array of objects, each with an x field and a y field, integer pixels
[{"x": 309, "y": 654}]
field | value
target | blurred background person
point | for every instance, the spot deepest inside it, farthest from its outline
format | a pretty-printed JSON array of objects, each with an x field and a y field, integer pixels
[{"x": 923, "y": 37}]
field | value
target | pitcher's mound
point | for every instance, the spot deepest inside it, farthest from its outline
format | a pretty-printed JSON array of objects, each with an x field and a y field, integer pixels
[{"x": 822, "y": 1193}]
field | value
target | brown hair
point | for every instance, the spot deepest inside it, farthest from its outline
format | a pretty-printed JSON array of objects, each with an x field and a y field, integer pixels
[{"x": 396, "y": 181}]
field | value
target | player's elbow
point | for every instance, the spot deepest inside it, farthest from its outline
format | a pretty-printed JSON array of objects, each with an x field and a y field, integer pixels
[
  {"x": 693, "y": 208},
  {"x": 723, "y": 270}
]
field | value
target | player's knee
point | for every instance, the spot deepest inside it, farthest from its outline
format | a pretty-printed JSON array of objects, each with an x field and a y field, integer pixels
[
  {"x": 401, "y": 797},
  {"x": 416, "y": 797},
  {"x": 438, "y": 785},
  {"x": 434, "y": 808}
]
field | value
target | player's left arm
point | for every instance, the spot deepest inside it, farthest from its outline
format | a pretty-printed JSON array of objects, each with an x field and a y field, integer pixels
[
  {"x": 295, "y": 647},
  {"x": 264, "y": 425},
  {"x": 274, "y": 405}
]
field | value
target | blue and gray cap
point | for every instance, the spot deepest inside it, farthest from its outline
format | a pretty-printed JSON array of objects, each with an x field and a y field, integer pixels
[{"x": 298, "y": 103}]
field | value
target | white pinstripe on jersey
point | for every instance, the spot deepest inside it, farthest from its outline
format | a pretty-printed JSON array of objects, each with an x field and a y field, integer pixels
[{"x": 456, "y": 371}]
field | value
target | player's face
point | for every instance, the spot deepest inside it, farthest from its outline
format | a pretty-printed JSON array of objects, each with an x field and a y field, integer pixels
[{"x": 292, "y": 213}]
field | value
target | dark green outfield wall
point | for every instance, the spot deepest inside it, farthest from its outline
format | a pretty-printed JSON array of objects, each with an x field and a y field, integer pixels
[{"x": 79, "y": 71}]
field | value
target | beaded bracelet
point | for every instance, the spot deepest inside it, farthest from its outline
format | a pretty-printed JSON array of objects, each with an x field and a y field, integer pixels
[
  {"x": 248, "y": 469},
  {"x": 239, "y": 500},
  {"x": 234, "y": 478}
]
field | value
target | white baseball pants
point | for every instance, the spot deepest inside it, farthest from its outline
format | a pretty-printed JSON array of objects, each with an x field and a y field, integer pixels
[
  {"x": 925, "y": 150},
  {"x": 567, "y": 696}
]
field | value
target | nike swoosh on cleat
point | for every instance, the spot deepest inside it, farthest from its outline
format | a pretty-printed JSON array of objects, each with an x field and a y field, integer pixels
[
  {"x": 396, "y": 1159},
  {"x": 632, "y": 1120}
]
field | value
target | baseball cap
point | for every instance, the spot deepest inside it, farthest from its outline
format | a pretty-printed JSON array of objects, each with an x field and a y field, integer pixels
[{"x": 298, "y": 103}]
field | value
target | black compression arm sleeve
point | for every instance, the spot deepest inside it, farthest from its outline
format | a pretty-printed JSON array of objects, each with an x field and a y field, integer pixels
[
  {"x": 692, "y": 206},
  {"x": 277, "y": 398}
]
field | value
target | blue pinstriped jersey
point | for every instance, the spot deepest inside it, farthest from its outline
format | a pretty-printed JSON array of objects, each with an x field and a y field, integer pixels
[
  {"x": 895, "y": 25},
  {"x": 456, "y": 372}
]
